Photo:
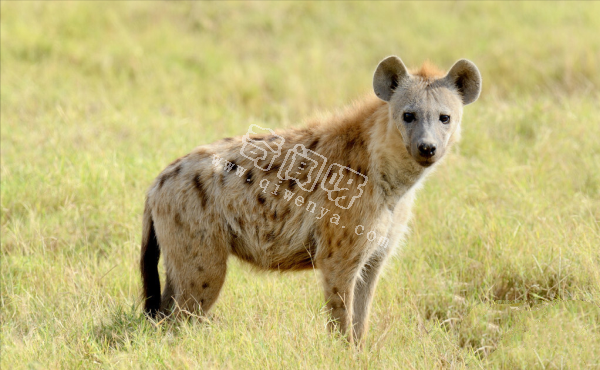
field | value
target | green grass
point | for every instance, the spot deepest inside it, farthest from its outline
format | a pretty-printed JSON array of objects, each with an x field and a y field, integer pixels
[{"x": 501, "y": 270}]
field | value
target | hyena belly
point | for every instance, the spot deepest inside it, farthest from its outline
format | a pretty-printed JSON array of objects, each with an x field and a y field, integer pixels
[{"x": 265, "y": 229}]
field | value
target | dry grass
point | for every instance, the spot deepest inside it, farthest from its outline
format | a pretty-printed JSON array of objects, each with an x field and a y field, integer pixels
[{"x": 502, "y": 269}]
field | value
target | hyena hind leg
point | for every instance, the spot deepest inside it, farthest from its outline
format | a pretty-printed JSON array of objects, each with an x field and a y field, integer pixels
[
  {"x": 201, "y": 277},
  {"x": 167, "y": 300}
]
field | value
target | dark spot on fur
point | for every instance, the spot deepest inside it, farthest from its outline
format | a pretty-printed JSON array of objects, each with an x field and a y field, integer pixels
[
  {"x": 334, "y": 290},
  {"x": 249, "y": 179},
  {"x": 169, "y": 175},
  {"x": 274, "y": 168},
  {"x": 201, "y": 153},
  {"x": 314, "y": 144},
  {"x": 329, "y": 254},
  {"x": 228, "y": 139},
  {"x": 261, "y": 199},
  {"x": 192, "y": 284},
  {"x": 291, "y": 184},
  {"x": 240, "y": 222},
  {"x": 177, "y": 220},
  {"x": 354, "y": 141},
  {"x": 351, "y": 143},
  {"x": 200, "y": 268},
  {"x": 237, "y": 248},
  {"x": 204, "y": 285},
  {"x": 274, "y": 215},
  {"x": 271, "y": 235},
  {"x": 199, "y": 186},
  {"x": 202, "y": 302},
  {"x": 234, "y": 167}
]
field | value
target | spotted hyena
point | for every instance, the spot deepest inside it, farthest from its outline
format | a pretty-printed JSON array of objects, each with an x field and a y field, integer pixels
[{"x": 335, "y": 195}]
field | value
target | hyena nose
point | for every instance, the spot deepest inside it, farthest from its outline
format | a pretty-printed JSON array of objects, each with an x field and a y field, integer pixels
[{"x": 427, "y": 150}]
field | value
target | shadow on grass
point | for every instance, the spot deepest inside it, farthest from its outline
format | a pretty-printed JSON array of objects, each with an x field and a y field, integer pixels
[
  {"x": 122, "y": 327},
  {"x": 127, "y": 326}
]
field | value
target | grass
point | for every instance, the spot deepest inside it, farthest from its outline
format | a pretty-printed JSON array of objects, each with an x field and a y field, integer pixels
[{"x": 501, "y": 270}]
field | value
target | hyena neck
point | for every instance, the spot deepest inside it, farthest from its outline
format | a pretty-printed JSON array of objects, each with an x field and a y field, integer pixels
[{"x": 394, "y": 171}]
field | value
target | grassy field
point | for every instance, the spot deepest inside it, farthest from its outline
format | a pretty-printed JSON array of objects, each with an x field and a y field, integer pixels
[{"x": 502, "y": 267}]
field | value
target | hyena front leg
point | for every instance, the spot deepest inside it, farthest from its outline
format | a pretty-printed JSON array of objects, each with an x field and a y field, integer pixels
[
  {"x": 339, "y": 280},
  {"x": 364, "y": 291}
]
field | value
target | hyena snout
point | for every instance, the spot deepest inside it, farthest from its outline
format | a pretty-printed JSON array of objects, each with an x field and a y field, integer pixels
[
  {"x": 427, "y": 153},
  {"x": 426, "y": 149}
]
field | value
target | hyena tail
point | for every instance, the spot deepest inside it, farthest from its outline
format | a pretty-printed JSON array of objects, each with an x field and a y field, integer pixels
[{"x": 149, "y": 265}]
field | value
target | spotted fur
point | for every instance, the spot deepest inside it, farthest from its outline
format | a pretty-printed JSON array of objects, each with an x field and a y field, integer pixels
[{"x": 213, "y": 202}]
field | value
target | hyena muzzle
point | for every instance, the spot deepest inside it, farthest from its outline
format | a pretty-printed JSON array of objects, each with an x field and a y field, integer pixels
[{"x": 335, "y": 195}]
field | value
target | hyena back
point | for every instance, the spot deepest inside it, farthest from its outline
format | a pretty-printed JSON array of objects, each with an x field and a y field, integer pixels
[{"x": 335, "y": 195}]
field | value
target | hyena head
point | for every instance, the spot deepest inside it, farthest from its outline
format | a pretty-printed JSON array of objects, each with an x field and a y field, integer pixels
[{"x": 427, "y": 107}]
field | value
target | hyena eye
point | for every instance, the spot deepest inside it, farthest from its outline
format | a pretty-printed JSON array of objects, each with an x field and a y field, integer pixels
[
  {"x": 408, "y": 117},
  {"x": 444, "y": 118}
]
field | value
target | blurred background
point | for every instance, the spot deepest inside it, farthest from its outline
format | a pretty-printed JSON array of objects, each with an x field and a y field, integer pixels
[{"x": 97, "y": 98}]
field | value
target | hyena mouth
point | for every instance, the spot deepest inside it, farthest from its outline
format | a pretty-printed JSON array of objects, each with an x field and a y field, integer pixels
[{"x": 426, "y": 162}]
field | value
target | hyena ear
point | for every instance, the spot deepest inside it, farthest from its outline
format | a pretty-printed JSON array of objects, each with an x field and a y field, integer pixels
[
  {"x": 390, "y": 73},
  {"x": 465, "y": 76}
]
